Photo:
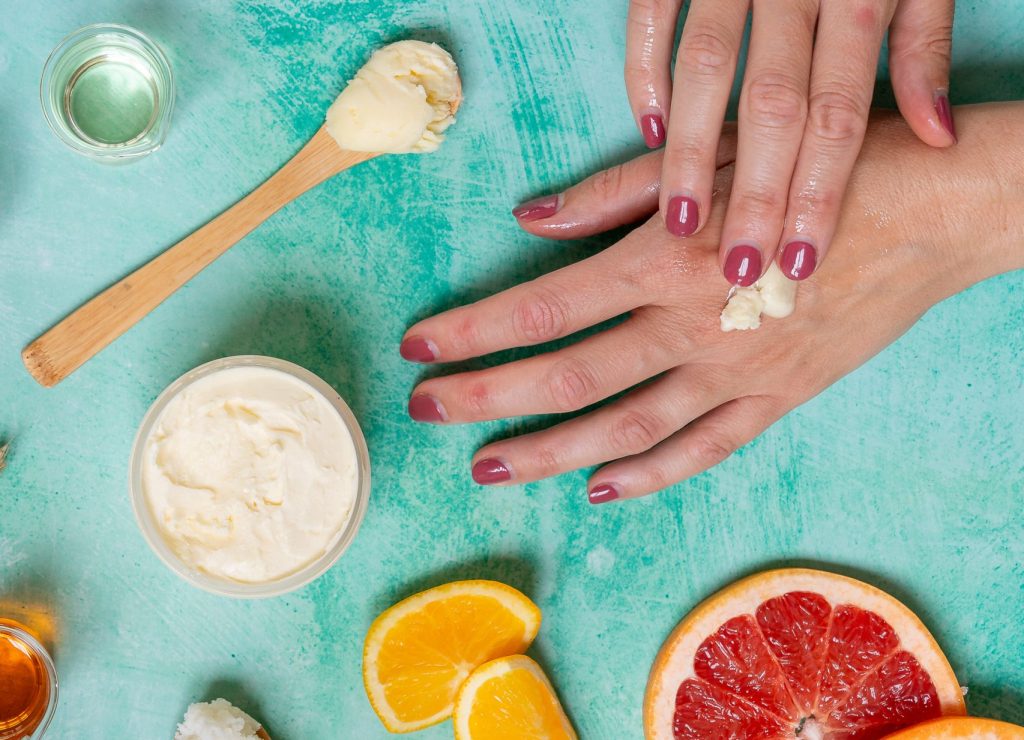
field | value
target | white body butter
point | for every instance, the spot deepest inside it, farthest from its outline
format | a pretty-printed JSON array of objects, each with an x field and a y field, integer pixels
[
  {"x": 216, "y": 720},
  {"x": 402, "y": 100},
  {"x": 773, "y": 295},
  {"x": 250, "y": 474}
]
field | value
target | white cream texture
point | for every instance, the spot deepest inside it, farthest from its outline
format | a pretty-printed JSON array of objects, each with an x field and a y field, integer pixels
[
  {"x": 216, "y": 720},
  {"x": 250, "y": 474},
  {"x": 402, "y": 100},
  {"x": 774, "y": 295}
]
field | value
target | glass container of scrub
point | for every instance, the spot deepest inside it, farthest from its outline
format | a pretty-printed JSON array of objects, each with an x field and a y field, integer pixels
[
  {"x": 249, "y": 476},
  {"x": 29, "y": 682},
  {"x": 107, "y": 92}
]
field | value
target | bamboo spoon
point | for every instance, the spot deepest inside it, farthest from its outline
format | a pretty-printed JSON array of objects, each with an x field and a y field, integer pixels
[{"x": 262, "y": 734}]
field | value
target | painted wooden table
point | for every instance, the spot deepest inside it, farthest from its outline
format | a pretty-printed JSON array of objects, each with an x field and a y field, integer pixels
[{"x": 907, "y": 473}]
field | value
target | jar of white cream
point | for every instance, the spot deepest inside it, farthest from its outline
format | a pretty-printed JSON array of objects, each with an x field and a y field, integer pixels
[{"x": 249, "y": 476}]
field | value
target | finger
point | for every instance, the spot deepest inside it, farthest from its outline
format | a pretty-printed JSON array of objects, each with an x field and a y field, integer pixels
[
  {"x": 614, "y": 197},
  {"x": 550, "y": 307},
  {"x": 920, "y": 43},
  {"x": 705, "y": 67},
  {"x": 650, "y": 35},
  {"x": 627, "y": 427},
  {"x": 849, "y": 39},
  {"x": 772, "y": 114},
  {"x": 699, "y": 446},
  {"x": 556, "y": 382}
]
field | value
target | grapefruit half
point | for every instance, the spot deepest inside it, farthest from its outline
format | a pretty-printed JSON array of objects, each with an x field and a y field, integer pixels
[{"x": 798, "y": 654}]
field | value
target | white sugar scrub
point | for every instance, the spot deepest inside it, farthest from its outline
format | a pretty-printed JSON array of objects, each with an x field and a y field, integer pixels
[
  {"x": 774, "y": 295},
  {"x": 216, "y": 720},
  {"x": 402, "y": 100},
  {"x": 250, "y": 474}
]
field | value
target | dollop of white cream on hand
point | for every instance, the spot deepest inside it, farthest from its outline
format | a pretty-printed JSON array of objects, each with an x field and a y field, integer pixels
[
  {"x": 773, "y": 295},
  {"x": 402, "y": 100}
]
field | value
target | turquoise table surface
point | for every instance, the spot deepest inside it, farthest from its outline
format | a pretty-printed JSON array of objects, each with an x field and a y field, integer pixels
[{"x": 908, "y": 473}]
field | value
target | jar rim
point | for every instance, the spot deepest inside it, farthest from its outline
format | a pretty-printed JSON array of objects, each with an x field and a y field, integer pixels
[{"x": 14, "y": 629}]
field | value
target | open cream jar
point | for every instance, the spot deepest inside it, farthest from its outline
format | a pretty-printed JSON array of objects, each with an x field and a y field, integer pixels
[{"x": 249, "y": 476}]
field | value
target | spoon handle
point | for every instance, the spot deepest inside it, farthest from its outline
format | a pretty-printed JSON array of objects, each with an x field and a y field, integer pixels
[{"x": 80, "y": 335}]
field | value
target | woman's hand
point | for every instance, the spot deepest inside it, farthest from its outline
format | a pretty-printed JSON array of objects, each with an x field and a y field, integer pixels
[
  {"x": 803, "y": 110},
  {"x": 909, "y": 235}
]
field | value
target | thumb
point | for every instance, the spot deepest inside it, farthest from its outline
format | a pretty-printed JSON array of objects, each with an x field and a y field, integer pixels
[{"x": 920, "y": 42}]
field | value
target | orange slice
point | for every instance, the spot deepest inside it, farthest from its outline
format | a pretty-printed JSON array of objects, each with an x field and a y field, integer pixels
[
  {"x": 960, "y": 728},
  {"x": 510, "y": 699},
  {"x": 798, "y": 653},
  {"x": 418, "y": 652}
]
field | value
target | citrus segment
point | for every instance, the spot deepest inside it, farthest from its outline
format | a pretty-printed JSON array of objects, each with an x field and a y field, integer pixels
[
  {"x": 798, "y": 653},
  {"x": 960, "y": 728},
  {"x": 419, "y": 652},
  {"x": 510, "y": 699}
]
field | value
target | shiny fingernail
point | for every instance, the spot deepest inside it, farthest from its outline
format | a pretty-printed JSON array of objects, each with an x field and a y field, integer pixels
[
  {"x": 743, "y": 265},
  {"x": 426, "y": 408},
  {"x": 603, "y": 494},
  {"x": 490, "y": 470},
  {"x": 652, "y": 126},
  {"x": 681, "y": 216},
  {"x": 798, "y": 260},
  {"x": 945, "y": 112},
  {"x": 418, "y": 349},
  {"x": 536, "y": 209}
]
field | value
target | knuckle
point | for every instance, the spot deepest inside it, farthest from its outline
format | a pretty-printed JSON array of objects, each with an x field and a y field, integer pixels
[
  {"x": 657, "y": 478},
  {"x": 776, "y": 101},
  {"x": 837, "y": 115},
  {"x": 478, "y": 399},
  {"x": 571, "y": 385},
  {"x": 548, "y": 461},
  {"x": 812, "y": 204},
  {"x": 758, "y": 202},
  {"x": 540, "y": 317},
  {"x": 709, "y": 450},
  {"x": 706, "y": 52},
  {"x": 607, "y": 184},
  {"x": 635, "y": 431}
]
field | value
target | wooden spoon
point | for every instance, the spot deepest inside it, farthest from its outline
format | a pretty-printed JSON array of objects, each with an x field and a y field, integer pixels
[
  {"x": 61, "y": 350},
  {"x": 261, "y": 733}
]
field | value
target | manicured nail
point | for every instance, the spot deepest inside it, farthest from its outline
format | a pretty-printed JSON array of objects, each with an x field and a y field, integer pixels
[
  {"x": 491, "y": 470},
  {"x": 417, "y": 349},
  {"x": 798, "y": 260},
  {"x": 536, "y": 209},
  {"x": 945, "y": 112},
  {"x": 682, "y": 217},
  {"x": 426, "y": 408},
  {"x": 603, "y": 494},
  {"x": 652, "y": 126},
  {"x": 743, "y": 265}
]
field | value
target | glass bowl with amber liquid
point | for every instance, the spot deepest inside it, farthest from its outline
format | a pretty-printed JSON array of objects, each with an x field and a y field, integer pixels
[{"x": 29, "y": 680}]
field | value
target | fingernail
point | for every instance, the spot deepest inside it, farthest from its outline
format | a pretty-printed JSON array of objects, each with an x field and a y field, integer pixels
[
  {"x": 426, "y": 408},
  {"x": 798, "y": 260},
  {"x": 681, "y": 218},
  {"x": 652, "y": 126},
  {"x": 603, "y": 494},
  {"x": 743, "y": 265},
  {"x": 945, "y": 112},
  {"x": 417, "y": 349},
  {"x": 536, "y": 209},
  {"x": 491, "y": 470}
]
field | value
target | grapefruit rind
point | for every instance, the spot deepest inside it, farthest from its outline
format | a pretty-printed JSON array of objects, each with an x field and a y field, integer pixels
[
  {"x": 495, "y": 669},
  {"x": 674, "y": 663},
  {"x": 510, "y": 598},
  {"x": 960, "y": 728}
]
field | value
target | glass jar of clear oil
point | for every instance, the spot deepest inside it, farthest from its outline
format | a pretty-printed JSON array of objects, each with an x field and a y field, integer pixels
[
  {"x": 29, "y": 683},
  {"x": 107, "y": 92}
]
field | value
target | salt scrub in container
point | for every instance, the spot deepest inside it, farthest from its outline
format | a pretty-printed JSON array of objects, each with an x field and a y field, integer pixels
[
  {"x": 217, "y": 720},
  {"x": 402, "y": 100},
  {"x": 774, "y": 295}
]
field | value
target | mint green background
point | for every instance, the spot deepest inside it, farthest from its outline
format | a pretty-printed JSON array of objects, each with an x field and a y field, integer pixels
[{"x": 907, "y": 473}]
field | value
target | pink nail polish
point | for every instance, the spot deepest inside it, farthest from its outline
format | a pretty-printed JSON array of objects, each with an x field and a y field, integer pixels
[
  {"x": 945, "y": 112},
  {"x": 536, "y": 209},
  {"x": 681, "y": 216},
  {"x": 743, "y": 265},
  {"x": 426, "y": 408},
  {"x": 603, "y": 494},
  {"x": 798, "y": 260},
  {"x": 417, "y": 349},
  {"x": 652, "y": 126},
  {"x": 491, "y": 470}
]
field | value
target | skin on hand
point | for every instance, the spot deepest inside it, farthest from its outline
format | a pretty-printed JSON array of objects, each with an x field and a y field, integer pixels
[
  {"x": 803, "y": 110},
  {"x": 903, "y": 244}
]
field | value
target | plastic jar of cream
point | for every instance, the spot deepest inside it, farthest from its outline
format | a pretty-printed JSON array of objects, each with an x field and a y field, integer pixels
[{"x": 249, "y": 476}]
